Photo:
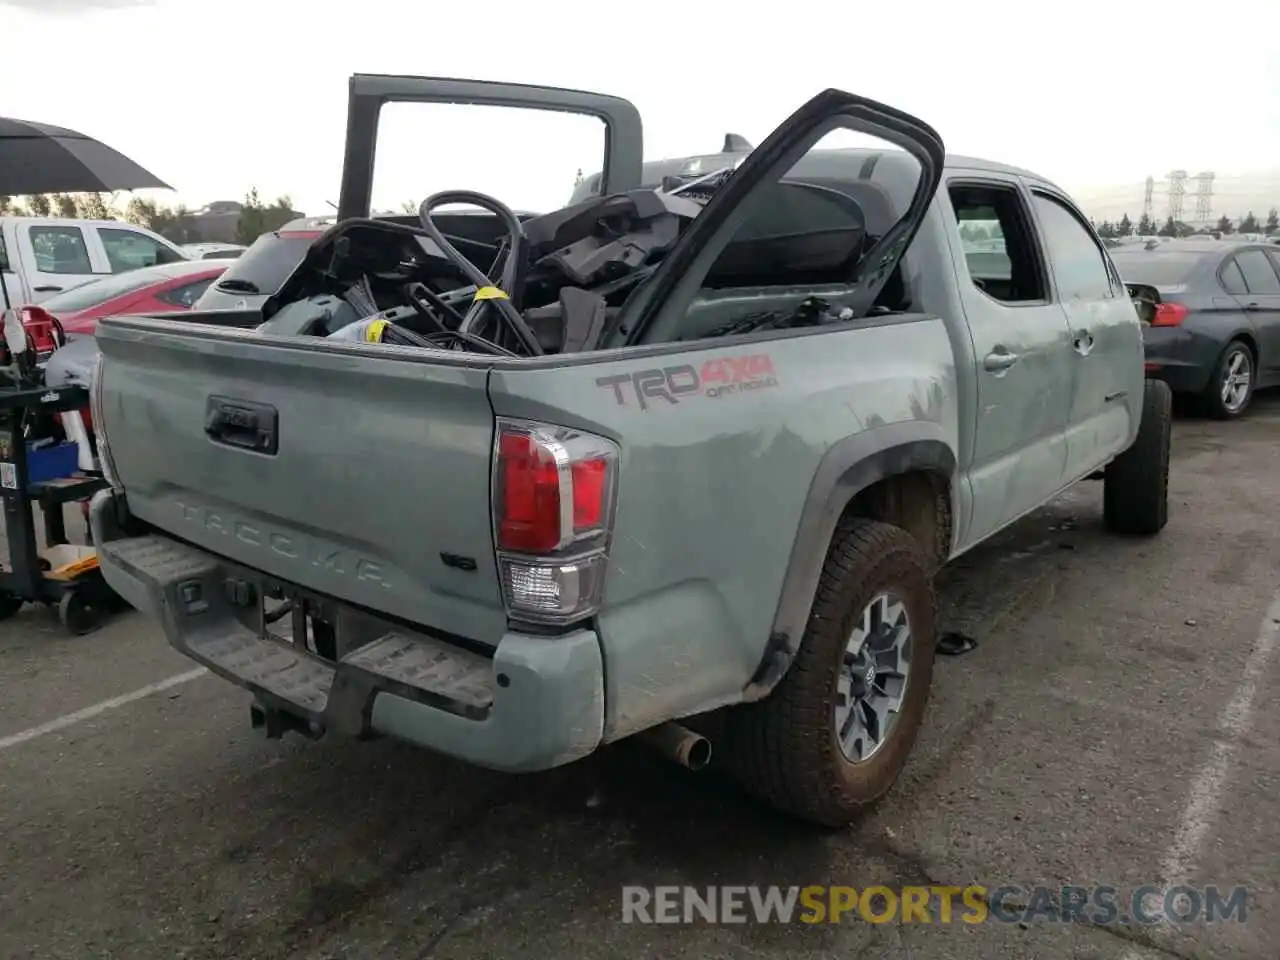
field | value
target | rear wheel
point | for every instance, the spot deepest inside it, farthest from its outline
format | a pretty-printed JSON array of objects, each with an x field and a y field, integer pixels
[
  {"x": 1231, "y": 385},
  {"x": 834, "y": 734},
  {"x": 1135, "y": 493}
]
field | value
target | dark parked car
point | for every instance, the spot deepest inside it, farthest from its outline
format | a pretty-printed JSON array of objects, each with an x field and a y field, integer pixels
[
  {"x": 262, "y": 269},
  {"x": 1214, "y": 312}
]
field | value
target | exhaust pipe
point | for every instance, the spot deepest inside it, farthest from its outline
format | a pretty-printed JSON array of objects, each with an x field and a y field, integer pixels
[{"x": 690, "y": 750}]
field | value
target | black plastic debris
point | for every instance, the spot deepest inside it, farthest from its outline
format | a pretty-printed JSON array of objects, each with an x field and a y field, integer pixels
[{"x": 953, "y": 643}]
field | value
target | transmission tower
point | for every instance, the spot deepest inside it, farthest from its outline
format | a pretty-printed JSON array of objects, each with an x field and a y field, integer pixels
[
  {"x": 1146, "y": 198},
  {"x": 1204, "y": 196},
  {"x": 1177, "y": 189}
]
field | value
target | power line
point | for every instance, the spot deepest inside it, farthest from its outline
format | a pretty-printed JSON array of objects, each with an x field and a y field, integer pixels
[{"x": 1204, "y": 195}]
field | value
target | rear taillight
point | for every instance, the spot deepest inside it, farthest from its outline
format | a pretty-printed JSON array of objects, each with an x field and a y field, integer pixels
[
  {"x": 43, "y": 329},
  {"x": 1169, "y": 315},
  {"x": 554, "y": 491}
]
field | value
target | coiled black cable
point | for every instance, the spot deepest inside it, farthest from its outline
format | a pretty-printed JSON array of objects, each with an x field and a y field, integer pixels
[{"x": 511, "y": 269}]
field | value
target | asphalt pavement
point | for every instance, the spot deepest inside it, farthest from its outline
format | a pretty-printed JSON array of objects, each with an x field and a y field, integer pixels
[{"x": 1116, "y": 725}]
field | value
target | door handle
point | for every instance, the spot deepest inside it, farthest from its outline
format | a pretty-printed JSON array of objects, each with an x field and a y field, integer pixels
[
  {"x": 47, "y": 289},
  {"x": 999, "y": 360},
  {"x": 1252, "y": 306},
  {"x": 1083, "y": 343}
]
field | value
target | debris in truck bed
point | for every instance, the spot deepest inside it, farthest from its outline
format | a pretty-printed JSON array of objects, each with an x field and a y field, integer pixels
[{"x": 558, "y": 283}]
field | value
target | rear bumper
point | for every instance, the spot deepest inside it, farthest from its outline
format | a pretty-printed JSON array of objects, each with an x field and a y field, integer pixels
[
  {"x": 1180, "y": 357},
  {"x": 537, "y": 703}
]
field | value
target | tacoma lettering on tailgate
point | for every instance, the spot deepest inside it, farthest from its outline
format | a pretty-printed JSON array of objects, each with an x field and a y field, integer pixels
[
  {"x": 717, "y": 377},
  {"x": 287, "y": 545}
]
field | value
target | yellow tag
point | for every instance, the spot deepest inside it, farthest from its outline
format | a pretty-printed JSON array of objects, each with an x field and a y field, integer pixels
[
  {"x": 374, "y": 333},
  {"x": 490, "y": 293}
]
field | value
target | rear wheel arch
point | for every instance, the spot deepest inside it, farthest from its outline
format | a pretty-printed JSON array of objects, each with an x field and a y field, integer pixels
[
  {"x": 898, "y": 473},
  {"x": 1248, "y": 339}
]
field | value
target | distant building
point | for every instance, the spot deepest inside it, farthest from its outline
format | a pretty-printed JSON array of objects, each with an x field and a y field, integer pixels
[{"x": 216, "y": 222}]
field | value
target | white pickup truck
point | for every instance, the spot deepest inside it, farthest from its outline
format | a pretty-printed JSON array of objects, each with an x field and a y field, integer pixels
[{"x": 43, "y": 256}]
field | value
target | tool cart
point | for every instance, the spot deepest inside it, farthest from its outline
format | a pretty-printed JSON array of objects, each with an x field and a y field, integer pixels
[
  {"x": 36, "y": 467},
  {"x": 39, "y": 461}
]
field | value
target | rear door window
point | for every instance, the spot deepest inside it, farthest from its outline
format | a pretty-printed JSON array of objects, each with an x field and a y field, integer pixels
[
  {"x": 130, "y": 250},
  {"x": 1078, "y": 262},
  {"x": 1233, "y": 279},
  {"x": 1259, "y": 275}
]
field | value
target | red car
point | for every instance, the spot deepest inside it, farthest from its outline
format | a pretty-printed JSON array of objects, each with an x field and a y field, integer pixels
[{"x": 166, "y": 288}]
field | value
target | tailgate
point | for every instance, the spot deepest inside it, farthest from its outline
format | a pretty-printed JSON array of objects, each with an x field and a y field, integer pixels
[{"x": 370, "y": 483}]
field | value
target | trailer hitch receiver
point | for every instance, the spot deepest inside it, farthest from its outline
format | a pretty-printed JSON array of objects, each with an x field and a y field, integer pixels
[{"x": 275, "y": 723}]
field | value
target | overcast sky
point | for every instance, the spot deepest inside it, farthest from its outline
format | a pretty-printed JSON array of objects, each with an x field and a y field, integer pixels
[{"x": 216, "y": 97}]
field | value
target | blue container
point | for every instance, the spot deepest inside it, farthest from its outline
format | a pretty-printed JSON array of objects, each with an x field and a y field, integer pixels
[{"x": 52, "y": 462}]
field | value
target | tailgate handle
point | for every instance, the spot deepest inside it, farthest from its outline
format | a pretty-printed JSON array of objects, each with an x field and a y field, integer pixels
[{"x": 242, "y": 423}]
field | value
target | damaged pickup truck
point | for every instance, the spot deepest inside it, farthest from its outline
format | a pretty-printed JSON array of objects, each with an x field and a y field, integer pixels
[{"x": 575, "y": 477}]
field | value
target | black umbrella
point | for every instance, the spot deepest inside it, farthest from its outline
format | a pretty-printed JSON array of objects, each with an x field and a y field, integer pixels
[{"x": 39, "y": 158}]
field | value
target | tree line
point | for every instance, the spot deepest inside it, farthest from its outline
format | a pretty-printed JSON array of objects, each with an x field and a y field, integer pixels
[
  {"x": 176, "y": 224},
  {"x": 1146, "y": 226}
]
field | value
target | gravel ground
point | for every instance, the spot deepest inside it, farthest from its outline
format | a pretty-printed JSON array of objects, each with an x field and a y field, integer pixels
[{"x": 1117, "y": 724}]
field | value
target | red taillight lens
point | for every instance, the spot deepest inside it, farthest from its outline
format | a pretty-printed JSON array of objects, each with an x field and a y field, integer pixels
[
  {"x": 553, "y": 497},
  {"x": 529, "y": 512},
  {"x": 590, "y": 482},
  {"x": 1169, "y": 315}
]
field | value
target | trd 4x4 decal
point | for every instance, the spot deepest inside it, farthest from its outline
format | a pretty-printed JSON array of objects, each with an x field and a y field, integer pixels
[{"x": 717, "y": 377}]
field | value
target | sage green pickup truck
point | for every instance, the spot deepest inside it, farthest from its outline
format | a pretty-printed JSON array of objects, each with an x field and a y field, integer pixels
[{"x": 702, "y": 447}]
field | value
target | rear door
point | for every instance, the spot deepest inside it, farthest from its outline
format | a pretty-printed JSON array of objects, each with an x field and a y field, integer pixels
[
  {"x": 1262, "y": 304},
  {"x": 624, "y": 139},
  {"x": 1106, "y": 337},
  {"x": 1022, "y": 345}
]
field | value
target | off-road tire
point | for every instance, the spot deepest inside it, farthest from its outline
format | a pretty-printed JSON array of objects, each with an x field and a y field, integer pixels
[
  {"x": 784, "y": 749},
  {"x": 1135, "y": 492},
  {"x": 1211, "y": 402}
]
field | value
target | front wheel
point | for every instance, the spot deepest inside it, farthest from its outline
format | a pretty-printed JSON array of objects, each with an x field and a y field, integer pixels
[{"x": 834, "y": 734}]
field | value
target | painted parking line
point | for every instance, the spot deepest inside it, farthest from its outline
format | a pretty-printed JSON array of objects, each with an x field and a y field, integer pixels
[
  {"x": 1205, "y": 796},
  {"x": 88, "y": 713}
]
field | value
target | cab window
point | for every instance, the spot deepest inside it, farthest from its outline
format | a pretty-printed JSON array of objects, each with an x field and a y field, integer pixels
[{"x": 127, "y": 250}]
